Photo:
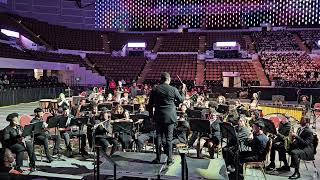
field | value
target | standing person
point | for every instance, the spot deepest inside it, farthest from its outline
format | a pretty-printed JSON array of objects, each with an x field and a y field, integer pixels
[
  {"x": 133, "y": 90},
  {"x": 163, "y": 98}
]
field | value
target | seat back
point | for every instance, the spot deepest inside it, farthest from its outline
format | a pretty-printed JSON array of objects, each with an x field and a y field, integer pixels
[
  {"x": 46, "y": 115},
  {"x": 25, "y": 120},
  {"x": 317, "y": 107}
]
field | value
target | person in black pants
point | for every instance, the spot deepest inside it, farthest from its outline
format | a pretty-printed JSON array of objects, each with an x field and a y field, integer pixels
[
  {"x": 163, "y": 98},
  {"x": 92, "y": 118},
  {"x": 43, "y": 137},
  {"x": 103, "y": 132},
  {"x": 278, "y": 144},
  {"x": 72, "y": 131},
  {"x": 147, "y": 130},
  {"x": 182, "y": 127},
  {"x": 302, "y": 146},
  {"x": 14, "y": 141}
]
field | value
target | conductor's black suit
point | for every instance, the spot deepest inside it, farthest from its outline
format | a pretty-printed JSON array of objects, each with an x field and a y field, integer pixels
[{"x": 163, "y": 98}]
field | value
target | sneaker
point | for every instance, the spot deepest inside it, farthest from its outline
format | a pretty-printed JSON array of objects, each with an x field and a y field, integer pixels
[
  {"x": 270, "y": 167},
  {"x": 84, "y": 153},
  {"x": 283, "y": 168},
  {"x": 69, "y": 154}
]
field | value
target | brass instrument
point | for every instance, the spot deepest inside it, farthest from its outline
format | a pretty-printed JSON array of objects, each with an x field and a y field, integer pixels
[{"x": 289, "y": 139}]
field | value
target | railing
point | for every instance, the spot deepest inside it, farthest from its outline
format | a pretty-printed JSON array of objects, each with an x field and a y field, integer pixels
[{"x": 25, "y": 95}]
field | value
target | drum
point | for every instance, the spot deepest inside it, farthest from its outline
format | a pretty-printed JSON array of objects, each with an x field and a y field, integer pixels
[
  {"x": 54, "y": 104},
  {"x": 44, "y": 104}
]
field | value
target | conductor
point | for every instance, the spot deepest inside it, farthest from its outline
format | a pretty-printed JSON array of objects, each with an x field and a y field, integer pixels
[{"x": 163, "y": 99}]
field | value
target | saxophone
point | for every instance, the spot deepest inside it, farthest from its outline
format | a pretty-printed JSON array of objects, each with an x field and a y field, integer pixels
[{"x": 289, "y": 139}]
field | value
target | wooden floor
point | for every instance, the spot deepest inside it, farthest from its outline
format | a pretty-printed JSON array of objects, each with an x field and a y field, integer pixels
[{"x": 78, "y": 168}]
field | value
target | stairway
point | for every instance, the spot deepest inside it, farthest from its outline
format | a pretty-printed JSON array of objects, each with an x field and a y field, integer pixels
[
  {"x": 144, "y": 72},
  {"x": 302, "y": 46},
  {"x": 202, "y": 44},
  {"x": 157, "y": 45},
  {"x": 249, "y": 44},
  {"x": 260, "y": 72},
  {"x": 200, "y": 72},
  {"x": 105, "y": 43}
]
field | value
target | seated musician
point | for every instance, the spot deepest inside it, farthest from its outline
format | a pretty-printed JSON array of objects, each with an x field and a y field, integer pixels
[
  {"x": 182, "y": 127},
  {"x": 301, "y": 147},
  {"x": 257, "y": 141},
  {"x": 212, "y": 140},
  {"x": 199, "y": 102},
  {"x": 254, "y": 117},
  {"x": 125, "y": 138},
  {"x": 109, "y": 98},
  {"x": 103, "y": 132},
  {"x": 43, "y": 137},
  {"x": 147, "y": 130},
  {"x": 232, "y": 147},
  {"x": 92, "y": 117},
  {"x": 15, "y": 142},
  {"x": 254, "y": 101},
  {"x": 187, "y": 101},
  {"x": 221, "y": 100},
  {"x": 62, "y": 101},
  {"x": 145, "y": 90},
  {"x": 73, "y": 131},
  {"x": 142, "y": 110},
  {"x": 125, "y": 98},
  {"x": 278, "y": 144},
  {"x": 118, "y": 109}
]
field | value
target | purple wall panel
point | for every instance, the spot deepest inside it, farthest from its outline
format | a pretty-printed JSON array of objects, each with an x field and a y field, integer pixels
[
  {"x": 72, "y": 12},
  {"x": 59, "y": 12},
  {"x": 46, "y": 2},
  {"x": 46, "y": 9}
]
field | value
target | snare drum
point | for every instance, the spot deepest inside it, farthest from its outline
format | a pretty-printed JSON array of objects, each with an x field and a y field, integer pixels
[{"x": 44, "y": 104}]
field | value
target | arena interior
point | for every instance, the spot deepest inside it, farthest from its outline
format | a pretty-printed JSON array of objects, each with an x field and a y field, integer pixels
[{"x": 84, "y": 89}]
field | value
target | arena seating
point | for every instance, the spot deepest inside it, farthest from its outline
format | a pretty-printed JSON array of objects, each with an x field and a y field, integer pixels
[
  {"x": 182, "y": 65},
  {"x": 12, "y": 52},
  {"x": 274, "y": 41},
  {"x": 25, "y": 81},
  {"x": 291, "y": 69},
  {"x": 213, "y": 37},
  {"x": 179, "y": 42},
  {"x": 310, "y": 38},
  {"x": 118, "y": 68},
  {"x": 214, "y": 69},
  {"x": 61, "y": 37},
  {"x": 118, "y": 40}
]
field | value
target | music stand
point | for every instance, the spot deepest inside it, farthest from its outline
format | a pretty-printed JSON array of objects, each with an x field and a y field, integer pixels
[
  {"x": 201, "y": 127},
  {"x": 54, "y": 122},
  {"x": 222, "y": 108},
  {"x": 79, "y": 122},
  {"x": 114, "y": 103},
  {"x": 199, "y": 108},
  {"x": 107, "y": 106},
  {"x": 116, "y": 116},
  {"x": 32, "y": 129},
  {"x": 121, "y": 127},
  {"x": 128, "y": 108},
  {"x": 194, "y": 114},
  {"x": 136, "y": 107}
]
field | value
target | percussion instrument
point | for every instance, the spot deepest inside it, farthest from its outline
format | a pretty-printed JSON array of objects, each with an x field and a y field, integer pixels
[
  {"x": 294, "y": 111},
  {"x": 44, "y": 104},
  {"x": 54, "y": 104}
]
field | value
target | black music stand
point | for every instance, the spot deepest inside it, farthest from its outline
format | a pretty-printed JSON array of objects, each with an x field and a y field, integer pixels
[
  {"x": 85, "y": 108},
  {"x": 32, "y": 129},
  {"x": 222, "y": 108},
  {"x": 53, "y": 122},
  {"x": 114, "y": 103},
  {"x": 194, "y": 114},
  {"x": 116, "y": 116},
  {"x": 200, "y": 108},
  {"x": 122, "y": 127},
  {"x": 229, "y": 132},
  {"x": 128, "y": 108},
  {"x": 136, "y": 107},
  {"x": 201, "y": 127},
  {"x": 103, "y": 106}
]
